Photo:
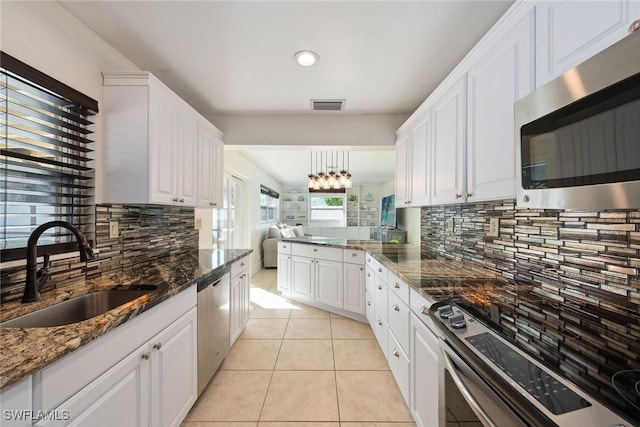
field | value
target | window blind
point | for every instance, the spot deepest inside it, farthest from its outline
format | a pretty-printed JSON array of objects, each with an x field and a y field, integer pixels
[{"x": 46, "y": 159}]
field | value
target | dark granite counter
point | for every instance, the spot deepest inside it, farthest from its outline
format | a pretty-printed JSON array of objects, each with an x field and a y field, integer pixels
[
  {"x": 591, "y": 343},
  {"x": 25, "y": 351}
]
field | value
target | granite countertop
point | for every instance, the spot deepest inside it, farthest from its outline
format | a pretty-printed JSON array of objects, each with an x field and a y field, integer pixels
[
  {"x": 592, "y": 343},
  {"x": 24, "y": 351}
]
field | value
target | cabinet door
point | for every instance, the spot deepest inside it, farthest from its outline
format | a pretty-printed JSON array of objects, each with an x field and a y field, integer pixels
[
  {"x": 569, "y": 32},
  {"x": 354, "y": 291},
  {"x": 284, "y": 273},
  {"x": 370, "y": 310},
  {"x": 328, "y": 282},
  {"x": 246, "y": 296},
  {"x": 163, "y": 134},
  {"x": 218, "y": 172},
  {"x": 187, "y": 150},
  {"x": 380, "y": 330},
  {"x": 302, "y": 275},
  {"x": 174, "y": 376},
  {"x": 235, "y": 309},
  {"x": 206, "y": 166},
  {"x": 398, "y": 320},
  {"x": 403, "y": 172},
  {"x": 420, "y": 159},
  {"x": 119, "y": 397},
  {"x": 448, "y": 146},
  {"x": 15, "y": 401},
  {"x": 399, "y": 365},
  {"x": 501, "y": 77},
  {"x": 427, "y": 399}
]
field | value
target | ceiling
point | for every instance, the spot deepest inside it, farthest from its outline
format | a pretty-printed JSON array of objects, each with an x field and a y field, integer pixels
[{"x": 236, "y": 57}]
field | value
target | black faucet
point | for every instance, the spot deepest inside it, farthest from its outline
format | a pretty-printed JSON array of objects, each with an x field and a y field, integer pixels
[{"x": 37, "y": 278}]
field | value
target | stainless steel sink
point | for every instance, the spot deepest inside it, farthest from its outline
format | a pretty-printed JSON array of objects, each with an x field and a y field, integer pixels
[{"x": 77, "y": 309}]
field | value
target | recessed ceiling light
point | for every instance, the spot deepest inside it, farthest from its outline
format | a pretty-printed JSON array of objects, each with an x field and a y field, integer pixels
[{"x": 306, "y": 58}]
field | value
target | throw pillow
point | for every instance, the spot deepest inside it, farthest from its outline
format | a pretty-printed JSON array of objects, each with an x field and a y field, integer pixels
[
  {"x": 298, "y": 231},
  {"x": 288, "y": 232},
  {"x": 274, "y": 231}
]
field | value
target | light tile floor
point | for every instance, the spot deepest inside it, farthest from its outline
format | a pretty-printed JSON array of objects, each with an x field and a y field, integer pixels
[{"x": 299, "y": 366}]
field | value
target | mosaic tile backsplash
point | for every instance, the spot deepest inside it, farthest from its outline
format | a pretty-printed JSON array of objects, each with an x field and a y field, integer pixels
[
  {"x": 145, "y": 233},
  {"x": 594, "y": 256}
]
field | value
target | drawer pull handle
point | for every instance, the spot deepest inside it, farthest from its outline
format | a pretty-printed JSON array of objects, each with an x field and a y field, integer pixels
[
  {"x": 396, "y": 353},
  {"x": 242, "y": 264},
  {"x": 361, "y": 269},
  {"x": 146, "y": 355},
  {"x": 379, "y": 270},
  {"x": 181, "y": 200},
  {"x": 458, "y": 195},
  {"x": 315, "y": 250},
  {"x": 354, "y": 254},
  {"x": 369, "y": 303},
  {"x": 368, "y": 274},
  {"x": 396, "y": 285},
  {"x": 396, "y": 307},
  {"x": 368, "y": 259},
  {"x": 157, "y": 346},
  {"x": 380, "y": 322},
  {"x": 424, "y": 310},
  {"x": 379, "y": 287},
  {"x": 175, "y": 199}
]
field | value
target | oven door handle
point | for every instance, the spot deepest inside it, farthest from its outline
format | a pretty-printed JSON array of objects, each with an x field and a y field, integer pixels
[{"x": 477, "y": 409}]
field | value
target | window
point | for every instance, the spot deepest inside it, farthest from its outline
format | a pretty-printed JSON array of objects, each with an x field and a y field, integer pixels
[
  {"x": 269, "y": 204},
  {"x": 327, "y": 207},
  {"x": 46, "y": 162}
]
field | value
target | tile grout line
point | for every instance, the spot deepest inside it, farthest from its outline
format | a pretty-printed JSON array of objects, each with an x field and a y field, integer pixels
[{"x": 273, "y": 370}]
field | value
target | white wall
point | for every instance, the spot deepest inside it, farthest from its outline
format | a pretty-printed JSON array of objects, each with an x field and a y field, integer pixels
[
  {"x": 253, "y": 177},
  {"x": 320, "y": 129},
  {"x": 44, "y": 35}
]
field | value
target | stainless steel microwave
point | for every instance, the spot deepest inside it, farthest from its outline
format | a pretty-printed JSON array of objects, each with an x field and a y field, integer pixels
[{"x": 578, "y": 136}]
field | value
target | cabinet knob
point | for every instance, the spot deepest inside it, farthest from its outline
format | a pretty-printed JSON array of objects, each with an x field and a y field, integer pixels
[
  {"x": 181, "y": 200},
  {"x": 396, "y": 353},
  {"x": 396, "y": 307},
  {"x": 215, "y": 203},
  {"x": 369, "y": 303},
  {"x": 380, "y": 322},
  {"x": 242, "y": 264},
  {"x": 157, "y": 346},
  {"x": 146, "y": 355},
  {"x": 379, "y": 287},
  {"x": 396, "y": 285},
  {"x": 379, "y": 270},
  {"x": 424, "y": 310},
  {"x": 458, "y": 195},
  {"x": 635, "y": 26},
  {"x": 361, "y": 269},
  {"x": 354, "y": 254},
  {"x": 368, "y": 274},
  {"x": 175, "y": 199},
  {"x": 368, "y": 259},
  {"x": 315, "y": 250},
  {"x": 469, "y": 194}
]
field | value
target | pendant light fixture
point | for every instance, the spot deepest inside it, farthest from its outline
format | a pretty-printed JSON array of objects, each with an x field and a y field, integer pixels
[{"x": 326, "y": 176}]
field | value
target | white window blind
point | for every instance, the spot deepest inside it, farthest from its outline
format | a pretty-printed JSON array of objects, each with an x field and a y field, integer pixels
[{"x": 46, "y": 160}]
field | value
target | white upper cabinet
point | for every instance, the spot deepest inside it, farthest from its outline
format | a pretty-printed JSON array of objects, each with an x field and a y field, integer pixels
[
  {"x": 570, "y": 32},
  {"x": 448, "y": 145},
  {"x": 500, "y": 77},
  {"x": 156, "y": 146},
  {"x": 420, "y": 161},
  {"x": 403, "y": 172}
]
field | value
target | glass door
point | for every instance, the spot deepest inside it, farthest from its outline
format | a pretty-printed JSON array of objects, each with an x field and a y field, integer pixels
[{"x": 227, "y": 222}]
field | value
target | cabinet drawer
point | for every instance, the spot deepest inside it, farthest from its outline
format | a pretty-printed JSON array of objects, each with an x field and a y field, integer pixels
[
  {"x": 369, "y": 308},
  {"x": 284, "y": 247},
  {"x": 369, "y": 260},
  {"x": 315, "y": 251},
  {"x": 380, "y": 296},
  {"x": 398, "y": 319},
  {"x": 381, "y": 331},
  {"x": 240, "y": 265},
  {"x": 417, "y": 303},
  {"x": 399, "y": 364},
  {"x": 399, "y": 287},
  {"x": 353, "y": 256},
  {"x": 381, "y": 271},
  {"x": 369, "y": 280}
]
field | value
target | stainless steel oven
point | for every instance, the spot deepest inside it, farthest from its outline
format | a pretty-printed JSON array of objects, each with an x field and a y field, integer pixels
[
  {"x": 577, "y": 137},
  {"x": 506, "y": 387}
]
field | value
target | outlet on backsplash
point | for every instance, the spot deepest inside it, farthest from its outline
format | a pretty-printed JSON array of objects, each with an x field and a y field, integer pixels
[
  {"x": 494, "y": 227},
  {"x": 113, "y": 230},
  {"x": 451, "y": 225}
]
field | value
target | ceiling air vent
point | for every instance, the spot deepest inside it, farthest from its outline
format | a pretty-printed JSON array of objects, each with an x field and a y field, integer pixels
[{"x": 327, "y": 104}]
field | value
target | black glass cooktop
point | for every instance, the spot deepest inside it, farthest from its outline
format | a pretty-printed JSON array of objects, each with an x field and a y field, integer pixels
[{"x": 552, "y": 394}]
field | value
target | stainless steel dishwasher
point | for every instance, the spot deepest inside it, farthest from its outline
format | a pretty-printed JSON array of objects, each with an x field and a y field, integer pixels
[{"x": 213, "y": 326}]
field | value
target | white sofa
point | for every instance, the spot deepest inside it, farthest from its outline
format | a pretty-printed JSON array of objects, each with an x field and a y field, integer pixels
[{"x": 270, "y": 243}]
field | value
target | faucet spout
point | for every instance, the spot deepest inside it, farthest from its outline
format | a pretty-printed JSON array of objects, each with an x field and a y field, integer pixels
[{"x": 36, "y": 279}]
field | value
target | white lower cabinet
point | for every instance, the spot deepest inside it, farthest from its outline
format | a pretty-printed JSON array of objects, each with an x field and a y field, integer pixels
[
  {"x": 155, "y": 385},
  {"x": 426, "y": 377},
  {"x": 380, "y": 330},
  {"x": 331, "y": 278},
  {"x": 399, "y": 364},
  {"x": 239, "y": 298},
  {"x": 370, "y": 309},
  {"x": 354, "y": 288},
  {"x": 15, "y": 404}
]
